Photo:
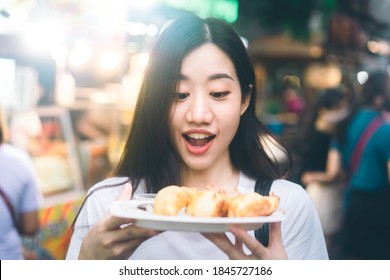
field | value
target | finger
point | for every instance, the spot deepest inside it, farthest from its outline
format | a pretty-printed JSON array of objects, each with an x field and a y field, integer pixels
[
  {"x": 238, "y": 244},
  {"x": 127, "y": 234},
  {"x": 276, "y": 242},
  {"x": 124, "y": 249},
  {"x": 111, "y": 238},
  {"x": 250, "y": 242},
  {"x": 127, "y": 192},
  {"x": 109, "y": 222},
  {"x": 275, "y": 233},
  {"x": 132, "y": 231}
]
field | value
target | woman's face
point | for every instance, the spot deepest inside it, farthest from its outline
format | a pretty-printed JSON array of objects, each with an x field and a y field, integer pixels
[{"x": 207, "y": 110}]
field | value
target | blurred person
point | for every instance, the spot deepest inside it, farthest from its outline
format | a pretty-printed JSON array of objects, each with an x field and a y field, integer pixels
[
  {"x": 329, "y": 109},
  {"x": 364, "y": 149},
  {"x": 19, "y": 190},
  {"x": 194, "y": 125},
  {"x": 293, "y": 102},
  {"x": 292, "y": 99},
  {"x": 361, "y": 151}
]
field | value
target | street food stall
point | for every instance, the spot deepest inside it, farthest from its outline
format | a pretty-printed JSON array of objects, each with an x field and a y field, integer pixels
[{"x": 46, "y": 133}]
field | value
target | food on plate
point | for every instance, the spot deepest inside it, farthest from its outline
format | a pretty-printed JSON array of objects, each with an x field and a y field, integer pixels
[
  {"x": 212, "y": 202},
  {"x": 171, "y": 199},
  {"x": 208, "y": 203},
  {"x": 253, "y": 205}
]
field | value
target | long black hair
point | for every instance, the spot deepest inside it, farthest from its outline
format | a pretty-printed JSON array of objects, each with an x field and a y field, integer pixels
[{"x": 148, "y": 154}]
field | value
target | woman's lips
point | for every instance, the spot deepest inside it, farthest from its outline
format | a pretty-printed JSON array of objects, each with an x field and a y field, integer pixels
[{"x": 198, "y": 143}]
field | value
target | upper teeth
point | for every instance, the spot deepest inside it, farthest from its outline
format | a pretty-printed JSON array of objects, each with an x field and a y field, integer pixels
[{"x": 198, "y": 135}]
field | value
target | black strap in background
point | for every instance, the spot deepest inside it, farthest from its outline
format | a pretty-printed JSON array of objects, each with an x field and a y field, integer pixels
[{"x": 263, "y": 187}]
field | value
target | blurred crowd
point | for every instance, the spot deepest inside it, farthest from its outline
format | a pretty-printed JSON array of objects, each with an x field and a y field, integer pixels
[{"x": 341, "y": 157}]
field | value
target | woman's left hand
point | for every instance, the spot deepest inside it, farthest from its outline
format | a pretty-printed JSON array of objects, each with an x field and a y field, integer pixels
[{"x": 274, "y": 251}]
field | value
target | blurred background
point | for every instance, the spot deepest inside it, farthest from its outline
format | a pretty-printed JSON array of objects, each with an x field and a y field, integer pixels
[{"x": 70, "y": 71}]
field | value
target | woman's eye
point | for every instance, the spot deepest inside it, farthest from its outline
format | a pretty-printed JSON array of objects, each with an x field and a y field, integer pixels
[
  {"x": 181, "y": 96},
  {"x": 219, "y": 94}
]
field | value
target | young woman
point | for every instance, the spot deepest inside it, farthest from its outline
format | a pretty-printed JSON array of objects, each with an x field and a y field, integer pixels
[{"x": 195, "y": 125}]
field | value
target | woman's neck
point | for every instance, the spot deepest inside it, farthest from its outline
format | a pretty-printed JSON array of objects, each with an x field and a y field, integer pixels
[{"x": 224, "y": 177}]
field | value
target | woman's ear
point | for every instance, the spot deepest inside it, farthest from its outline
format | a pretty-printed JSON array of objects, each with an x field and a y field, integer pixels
[{"x": 246, "y": 100}]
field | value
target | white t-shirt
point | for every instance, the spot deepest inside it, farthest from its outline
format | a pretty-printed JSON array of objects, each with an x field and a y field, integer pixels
[
  {"x": 20, "y": 183},
  {"x": 301, "y": 231}
]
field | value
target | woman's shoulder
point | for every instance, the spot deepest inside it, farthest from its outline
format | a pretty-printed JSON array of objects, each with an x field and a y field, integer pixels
[
  {"x": 108, "y": 189},
  {"x": 290, "y": 192},
  {"x": 108, "y": 182},
  {"x": 99, "y": 198},
  {"x": 285, "y": 187}
]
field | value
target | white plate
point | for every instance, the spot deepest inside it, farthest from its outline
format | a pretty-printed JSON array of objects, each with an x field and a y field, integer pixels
[{"x": 136, "y": 209}]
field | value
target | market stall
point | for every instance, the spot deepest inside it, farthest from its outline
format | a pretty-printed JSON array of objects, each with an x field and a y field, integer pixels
[{"x": 46, "y": 133}]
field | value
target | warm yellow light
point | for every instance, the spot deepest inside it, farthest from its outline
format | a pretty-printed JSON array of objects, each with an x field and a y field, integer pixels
[
  {"x": 323, "y": 75},
  {"x": 378, "y": 47},
  {"x": 316, "y": 51}
]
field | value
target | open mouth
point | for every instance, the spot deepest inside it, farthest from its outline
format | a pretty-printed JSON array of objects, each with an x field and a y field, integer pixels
[{"x": 198, "y": 139}]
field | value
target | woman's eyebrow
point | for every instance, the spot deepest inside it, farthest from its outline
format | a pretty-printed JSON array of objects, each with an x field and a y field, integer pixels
[
  {"x": 210, "y": 78},
  {"x": 219, "y": 76}
]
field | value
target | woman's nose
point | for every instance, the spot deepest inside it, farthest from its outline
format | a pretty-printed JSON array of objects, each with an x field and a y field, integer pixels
[{"x": 199, "y": 110}]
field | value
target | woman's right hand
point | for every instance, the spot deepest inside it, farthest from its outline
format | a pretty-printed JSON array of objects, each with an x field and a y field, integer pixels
[
  {"x": 114, "y": 237},
  {"x": 235, "y": 251}
]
